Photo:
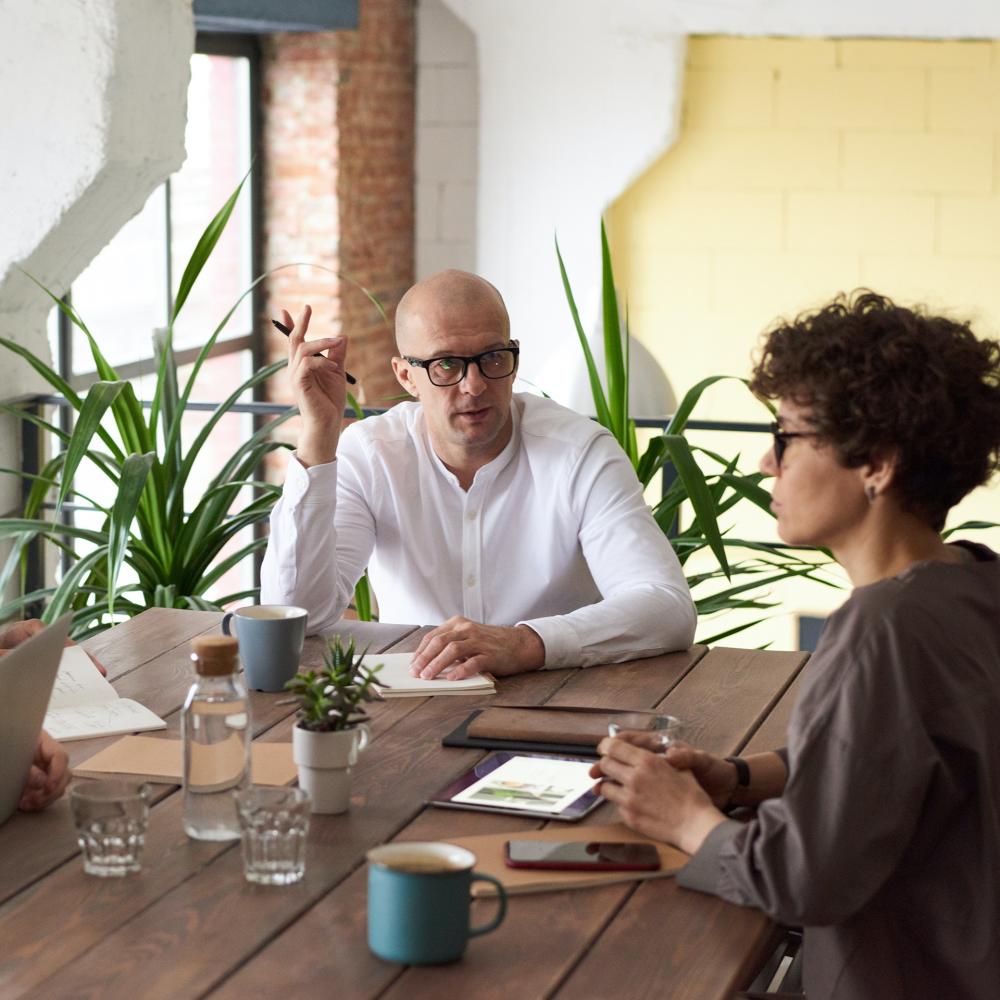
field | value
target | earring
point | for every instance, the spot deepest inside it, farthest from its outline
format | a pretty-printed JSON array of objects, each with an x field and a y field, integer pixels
[{"x": 871, "y": 493}]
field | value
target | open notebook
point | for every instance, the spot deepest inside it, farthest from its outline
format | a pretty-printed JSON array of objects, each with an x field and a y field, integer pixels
[
  {"x": 84, "y": 704},
  {"x": 395, "y": 681}
]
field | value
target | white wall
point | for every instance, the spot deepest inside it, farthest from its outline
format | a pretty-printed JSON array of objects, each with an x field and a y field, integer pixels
[
  {"x": 92, "y": 120},
  {"x": 577, "y": 98},
  {"x": 447, "y": 141}
]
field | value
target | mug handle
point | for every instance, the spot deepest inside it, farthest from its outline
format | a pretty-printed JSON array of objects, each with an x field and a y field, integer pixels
[
  {"x": 363, "y": 737},
  {"x": 501, "y": 907},
  {"x": 226, "y": 619}
]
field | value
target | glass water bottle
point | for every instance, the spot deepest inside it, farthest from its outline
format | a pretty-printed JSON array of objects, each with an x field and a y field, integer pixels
[{"x": 215, "y": 725}]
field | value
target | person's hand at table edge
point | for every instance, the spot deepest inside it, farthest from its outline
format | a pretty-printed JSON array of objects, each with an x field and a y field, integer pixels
[
  {"x": 48, "y": 777},
  {"x": 17, "y": 632},
  {"x": 461, "y": 648},
  {"x": 653, "y": 797}
]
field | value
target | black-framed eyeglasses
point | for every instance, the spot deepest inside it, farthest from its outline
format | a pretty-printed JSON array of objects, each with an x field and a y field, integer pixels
[
  {"x": 498, "y": 363},
  {"x": 781, "y": 439}
]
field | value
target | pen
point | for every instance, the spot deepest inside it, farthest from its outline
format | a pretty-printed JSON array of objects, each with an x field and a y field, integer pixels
[{"x": 351, "y": 380}]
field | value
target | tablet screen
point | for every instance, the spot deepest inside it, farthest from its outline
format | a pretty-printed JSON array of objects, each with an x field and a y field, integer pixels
[{"x": 535, "y": 784}]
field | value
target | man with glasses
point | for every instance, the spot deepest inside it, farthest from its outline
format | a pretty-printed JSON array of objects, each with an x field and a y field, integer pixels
[{"x": 514, "y": 525}]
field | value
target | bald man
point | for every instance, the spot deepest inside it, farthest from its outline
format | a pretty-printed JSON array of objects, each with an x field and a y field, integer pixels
[{"x": 515, "y": 526}]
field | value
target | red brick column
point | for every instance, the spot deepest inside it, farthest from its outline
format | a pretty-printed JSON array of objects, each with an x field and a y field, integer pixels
[{"x": 339, "y": 146}]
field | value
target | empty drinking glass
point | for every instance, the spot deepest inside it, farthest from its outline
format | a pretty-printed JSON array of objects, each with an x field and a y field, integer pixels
[
  {"x": 273, "y": 826},
  {"x": 111, "y": 819},
  {"x": 666, "y": 727}
]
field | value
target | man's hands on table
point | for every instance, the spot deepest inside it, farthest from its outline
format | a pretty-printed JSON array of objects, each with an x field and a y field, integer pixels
[
  {"x": 461, "y": 648},
  {"x": 672, "y": 796}
]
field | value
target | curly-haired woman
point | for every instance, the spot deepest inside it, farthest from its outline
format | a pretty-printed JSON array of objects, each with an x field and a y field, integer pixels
[{"x": 878, "y": 828}]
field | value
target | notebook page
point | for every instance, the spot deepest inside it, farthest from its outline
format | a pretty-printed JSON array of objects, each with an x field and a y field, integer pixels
[
  {"x": 79, "y": 682},
  {"x": 395, "y": 676},
  {"x": 109, "y": 718}
]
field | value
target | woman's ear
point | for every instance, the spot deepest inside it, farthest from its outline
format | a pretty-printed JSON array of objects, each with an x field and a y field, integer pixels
[{"x": 879, "y": 474}]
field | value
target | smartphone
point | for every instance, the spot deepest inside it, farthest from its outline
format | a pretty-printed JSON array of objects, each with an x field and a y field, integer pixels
[{"x": 581, "y": 855}]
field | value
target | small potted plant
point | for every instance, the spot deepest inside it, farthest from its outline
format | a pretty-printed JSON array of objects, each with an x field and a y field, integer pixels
[{"x": 332, "y": 724}]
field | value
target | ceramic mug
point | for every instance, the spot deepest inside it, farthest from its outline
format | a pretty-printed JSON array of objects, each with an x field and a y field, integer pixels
[
  {"x": 270, "y": 638},
  {"x": 418, "y": 902}
]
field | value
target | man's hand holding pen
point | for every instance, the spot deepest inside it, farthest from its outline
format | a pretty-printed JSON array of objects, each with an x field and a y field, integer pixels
[{"x": 319, "y": 385}]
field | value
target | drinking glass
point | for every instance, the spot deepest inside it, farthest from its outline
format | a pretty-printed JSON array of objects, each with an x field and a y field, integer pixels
[
  {"x": 667, "y": 727},
  {"x": 273, "y": 826},
  {"x": 111, "y": 819}
]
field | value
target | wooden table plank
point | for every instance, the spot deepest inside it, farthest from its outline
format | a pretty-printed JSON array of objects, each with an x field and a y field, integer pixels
[
  {"x": 726, "y": 699},
  {"x": 138, "y": 640},
  {"x": 773, "y": 732},
  {"x": 670, "y": 943}
]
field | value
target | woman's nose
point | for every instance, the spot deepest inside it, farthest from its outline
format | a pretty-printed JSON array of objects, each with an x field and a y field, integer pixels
[{"x": 768, "y": 463}]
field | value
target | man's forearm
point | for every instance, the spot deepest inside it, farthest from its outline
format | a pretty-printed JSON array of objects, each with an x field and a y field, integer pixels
[{"x": 316, "y": 447}]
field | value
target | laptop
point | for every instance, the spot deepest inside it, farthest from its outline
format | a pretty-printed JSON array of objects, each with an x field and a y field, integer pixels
[{"x": 27, "y": 674}]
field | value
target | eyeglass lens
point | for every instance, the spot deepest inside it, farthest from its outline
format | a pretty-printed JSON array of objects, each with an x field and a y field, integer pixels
[{"x": 450, "y": 371}]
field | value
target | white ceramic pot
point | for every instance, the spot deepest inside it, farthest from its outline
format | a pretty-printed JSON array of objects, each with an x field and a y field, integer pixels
[{"x": 324, "y": 762}]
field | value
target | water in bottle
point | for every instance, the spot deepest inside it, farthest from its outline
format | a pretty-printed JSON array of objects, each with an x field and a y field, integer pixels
[{"x": 215, "y": 723}]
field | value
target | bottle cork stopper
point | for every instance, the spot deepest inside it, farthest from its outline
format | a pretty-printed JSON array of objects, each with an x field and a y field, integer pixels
[{"x": 215, "y": 655}]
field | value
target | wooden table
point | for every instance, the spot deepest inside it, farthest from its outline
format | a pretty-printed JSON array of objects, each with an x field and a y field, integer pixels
[{"x": 190, "y": 926}]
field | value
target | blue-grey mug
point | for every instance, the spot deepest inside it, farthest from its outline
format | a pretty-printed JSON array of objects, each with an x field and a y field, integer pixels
[
  {"x": 418, "y": 902},
  {"x": 270, "y": 638}
]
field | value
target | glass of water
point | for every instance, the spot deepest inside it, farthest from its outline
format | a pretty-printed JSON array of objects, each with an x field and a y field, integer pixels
[
  {"x": 111, "y": 819},
  {"x": 274, "y": 823},
  {"x": 667, "y": 728}
]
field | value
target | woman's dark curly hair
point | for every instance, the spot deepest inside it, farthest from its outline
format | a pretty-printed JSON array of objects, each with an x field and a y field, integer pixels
[{"x": 879, "y": 377}]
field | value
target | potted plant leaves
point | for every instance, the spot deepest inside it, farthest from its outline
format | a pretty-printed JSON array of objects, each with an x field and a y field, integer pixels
[{"x": 332, "y": 726}]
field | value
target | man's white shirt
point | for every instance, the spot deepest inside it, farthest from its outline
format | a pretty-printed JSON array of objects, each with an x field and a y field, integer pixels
[{"x": 553, "y": 533}]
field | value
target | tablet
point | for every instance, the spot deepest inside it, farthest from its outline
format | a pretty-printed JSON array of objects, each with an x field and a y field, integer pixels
[{"x": 543, "y": 785}]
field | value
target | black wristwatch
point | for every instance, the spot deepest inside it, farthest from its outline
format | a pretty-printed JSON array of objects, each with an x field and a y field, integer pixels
[{"x": 742, "y": 779}]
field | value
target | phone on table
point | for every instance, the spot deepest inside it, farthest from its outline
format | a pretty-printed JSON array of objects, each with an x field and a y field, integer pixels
[{"x": 582, "y": 855}]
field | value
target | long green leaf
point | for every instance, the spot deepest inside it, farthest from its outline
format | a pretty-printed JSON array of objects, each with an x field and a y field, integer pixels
[
  {"x": 204, "y": 249},
  {"x": 177, "y": 495},
  {"x": 690, "y": 401},
  {"x": 729, "y": 632},
  {"x": 597, "y": 390},
  {"x": 616, "y": 370},
  {"x": 64, "y": 594},
  {"x": 135, "y": 472},
  {"x": 99, "y": 400},
  {"x": 698, "y": 493}
]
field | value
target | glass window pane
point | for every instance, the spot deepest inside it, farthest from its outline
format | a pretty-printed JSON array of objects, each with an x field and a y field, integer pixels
[
  {"x": 121, "y": 296},
  {"x": 218, "y": 155}
]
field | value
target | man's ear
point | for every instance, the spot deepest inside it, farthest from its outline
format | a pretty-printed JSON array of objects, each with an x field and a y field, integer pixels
[{"x": 404, "y": 376}]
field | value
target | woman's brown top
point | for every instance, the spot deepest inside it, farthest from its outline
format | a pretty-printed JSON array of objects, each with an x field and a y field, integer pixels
[{"x": 885, "y": 844}]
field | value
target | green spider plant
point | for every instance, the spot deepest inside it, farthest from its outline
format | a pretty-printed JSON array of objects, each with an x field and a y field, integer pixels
[
  {"x": 728, "y": 584},
  {"x": 172, "y": 542}
]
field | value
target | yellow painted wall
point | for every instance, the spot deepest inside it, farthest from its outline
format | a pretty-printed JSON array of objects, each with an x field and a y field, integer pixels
[{"x": 805, "y": 167}]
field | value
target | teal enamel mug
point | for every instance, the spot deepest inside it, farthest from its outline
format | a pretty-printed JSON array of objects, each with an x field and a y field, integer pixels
[
  {"x": 270, "y": 638},
  {"x": 418, "y": 902}
]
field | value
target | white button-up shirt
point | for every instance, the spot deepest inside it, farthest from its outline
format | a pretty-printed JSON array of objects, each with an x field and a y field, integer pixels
[{"x": 553, "y": 533}]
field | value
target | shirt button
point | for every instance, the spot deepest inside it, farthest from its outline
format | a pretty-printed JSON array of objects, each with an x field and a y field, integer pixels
[
  {"x": 471, "y": 516},
  {"x": 471, "y": 581}
]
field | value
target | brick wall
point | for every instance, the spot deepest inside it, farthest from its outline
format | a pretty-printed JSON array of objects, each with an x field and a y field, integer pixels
[{"x": 338, "y": 140}]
